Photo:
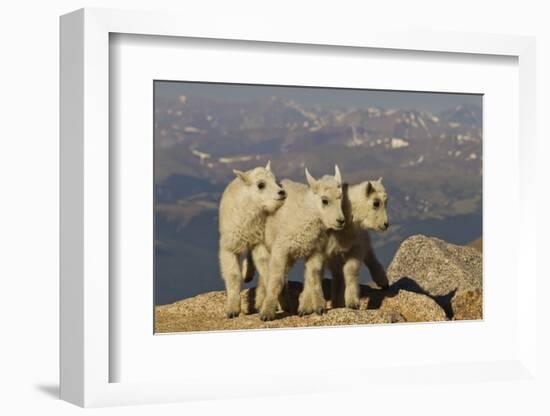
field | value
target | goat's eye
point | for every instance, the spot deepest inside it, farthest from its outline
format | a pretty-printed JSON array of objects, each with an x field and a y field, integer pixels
[
  {"x": 376, "y": 204},
  {"x": 261, "y": 185},
  {"x": 325, "y": 201}
]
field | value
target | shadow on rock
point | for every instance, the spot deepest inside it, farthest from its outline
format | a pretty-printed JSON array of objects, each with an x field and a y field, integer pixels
[
  {"x": 377, "y": 296},
  {"x": 289, "y": 297},
  {"x": 374, "y": 296}
]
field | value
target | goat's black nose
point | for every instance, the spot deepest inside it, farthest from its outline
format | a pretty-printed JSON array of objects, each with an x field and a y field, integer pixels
[
  {"x": 386, "y": 225},
  {"x": 282, "y": 192},
  {"x": 341, "y": 221}
]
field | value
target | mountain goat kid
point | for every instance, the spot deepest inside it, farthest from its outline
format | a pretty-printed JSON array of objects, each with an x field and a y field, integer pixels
[
  {"x": 364, "y": 207},
  {"x": 245, "y": 204},
  {"x": 298, "y": 231}
]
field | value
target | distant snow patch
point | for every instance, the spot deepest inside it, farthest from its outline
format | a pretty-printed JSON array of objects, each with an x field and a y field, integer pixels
[
  {"x": 414, "y": 162},
  {"x": 373, "y": 111},
  {"x": 235, "y": 159},
  {"x": 397, "y": 142},
  {"x": 422, "y": 122},
  {"x": 191, "y": 129},
  {"x": 356, "y": 139},
  {"x": 202, "y": 155}
]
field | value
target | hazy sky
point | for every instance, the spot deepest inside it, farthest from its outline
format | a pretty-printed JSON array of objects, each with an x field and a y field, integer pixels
[{"x": 325, "y": 97}]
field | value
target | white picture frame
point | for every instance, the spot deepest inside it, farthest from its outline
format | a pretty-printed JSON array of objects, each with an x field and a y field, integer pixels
[{"x": 86, "y": 356}]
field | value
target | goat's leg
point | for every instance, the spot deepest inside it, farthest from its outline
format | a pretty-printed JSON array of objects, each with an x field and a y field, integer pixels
[
  {"x": 376, "y": 270},
  {"x": 231, "y": 274},
  {"x": 312, "y": 298},
  {"x": 351, "y": 271},
  {"x": 248, "y": 267},
  {"x": 260, "y": 257},
  {"x": 335, "y": 265},
  {"x": 278, "y": 263}
]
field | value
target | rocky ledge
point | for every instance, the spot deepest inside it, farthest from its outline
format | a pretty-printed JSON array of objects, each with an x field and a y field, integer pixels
[{"x": 430, "y": 280}]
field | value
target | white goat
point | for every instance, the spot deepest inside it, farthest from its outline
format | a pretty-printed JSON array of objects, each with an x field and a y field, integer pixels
[
  {"x": 298, "y": 231},
  {"x": 245, "y": 204},
  {"x": 364, "y": 208}
]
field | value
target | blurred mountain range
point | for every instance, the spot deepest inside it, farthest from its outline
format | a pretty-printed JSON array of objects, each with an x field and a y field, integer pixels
[{"x": 431, "y": 164}]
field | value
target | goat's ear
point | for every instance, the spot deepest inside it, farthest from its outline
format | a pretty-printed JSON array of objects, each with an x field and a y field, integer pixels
[
  {"x": 242, "y": 176},
  {"x": 268, "y": 166},
  {"x": 379, "y": 179},
  {"x": 337, "y": 174},
  {"x": 311, "y": 181},
  {"x": 370, "y": 188}
]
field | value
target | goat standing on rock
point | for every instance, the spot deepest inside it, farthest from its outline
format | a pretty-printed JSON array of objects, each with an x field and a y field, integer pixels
[
  {"x": 298, "y": 231},
  {"x": 364, "y": 208},
  {"x": 245, "y": 205}
]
